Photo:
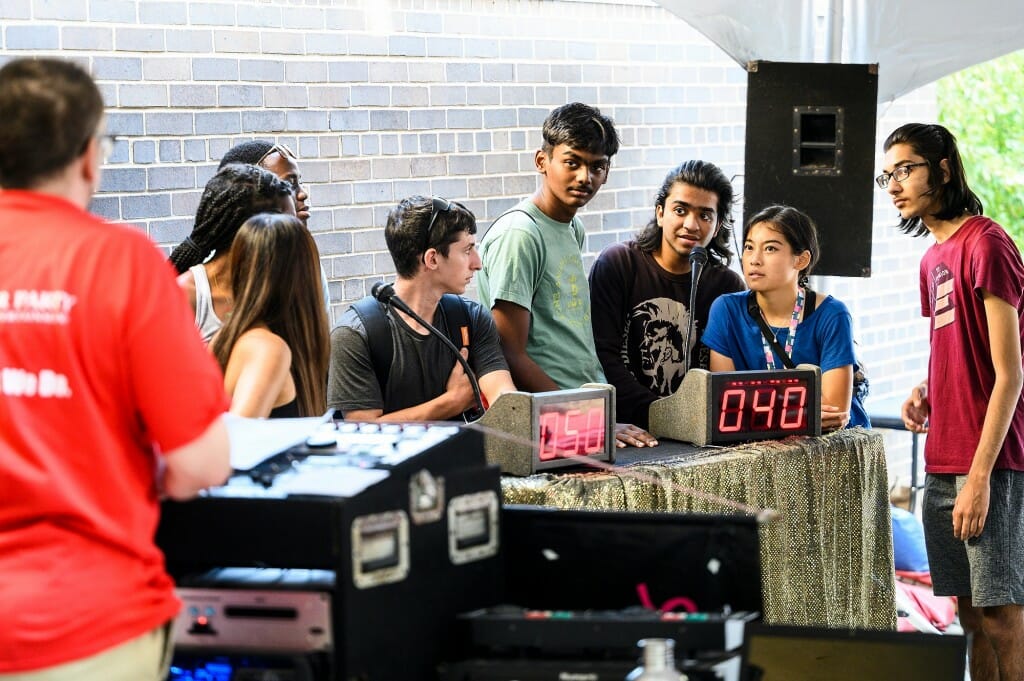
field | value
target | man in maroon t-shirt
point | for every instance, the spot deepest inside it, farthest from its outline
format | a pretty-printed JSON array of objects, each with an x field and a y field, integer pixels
[
  {"x": 972, "y": 290},
  {"x": 107, "y": 399}
]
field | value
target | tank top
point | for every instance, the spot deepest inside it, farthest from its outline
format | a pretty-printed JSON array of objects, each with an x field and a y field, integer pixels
[{"x": 207, "y": 320}]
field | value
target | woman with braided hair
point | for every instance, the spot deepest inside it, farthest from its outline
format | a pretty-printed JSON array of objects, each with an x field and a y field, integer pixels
[
  {"x": 275, "y": 347},
  {"x": 233, "y": 195}
]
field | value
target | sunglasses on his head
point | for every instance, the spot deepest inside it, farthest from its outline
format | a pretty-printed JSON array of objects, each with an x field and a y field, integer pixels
[
  {"x": 437, "y": 206},
  {"x": 278, "y": 148}
]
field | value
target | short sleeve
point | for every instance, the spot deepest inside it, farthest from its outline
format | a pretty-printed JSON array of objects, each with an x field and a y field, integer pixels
[
  {"x": 719, "y": 331},
  {"x": 513, "y": 261},
  {"x": 351, "y": 379},
  {"x": 485, "y": 351},
  {"x": 996, "y": 266},
  {"x": 835, "y": 337}
]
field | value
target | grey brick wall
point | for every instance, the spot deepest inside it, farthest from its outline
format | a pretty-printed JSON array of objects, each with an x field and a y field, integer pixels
[{"x": 433, "y": 96}]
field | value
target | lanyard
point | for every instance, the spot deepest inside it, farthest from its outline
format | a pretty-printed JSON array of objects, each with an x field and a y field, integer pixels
[{"x": 794, "y": 321}]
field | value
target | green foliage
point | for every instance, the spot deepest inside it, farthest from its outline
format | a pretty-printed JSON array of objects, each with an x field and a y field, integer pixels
[{"x": 984, "y": 107}]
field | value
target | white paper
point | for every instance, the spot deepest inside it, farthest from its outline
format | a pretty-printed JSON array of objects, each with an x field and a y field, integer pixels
[
  {"x": 253, "y": 441},
  {"x": 337, "y": 481}
]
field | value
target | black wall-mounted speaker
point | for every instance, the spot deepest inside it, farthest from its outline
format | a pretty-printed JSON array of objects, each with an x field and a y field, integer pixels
[{"x": 810, "y": 144}]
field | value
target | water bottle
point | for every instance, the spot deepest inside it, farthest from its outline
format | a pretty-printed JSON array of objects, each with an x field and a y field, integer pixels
[{"x": 659, "y": 663}]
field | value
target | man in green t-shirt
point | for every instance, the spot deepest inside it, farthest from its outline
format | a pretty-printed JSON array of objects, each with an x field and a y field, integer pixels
[{"x": 533, "y": 278}]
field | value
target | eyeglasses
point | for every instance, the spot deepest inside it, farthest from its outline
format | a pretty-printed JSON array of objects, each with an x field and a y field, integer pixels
[
  {"x": 437, "y": 206},
  {"x": 278, "y": 148},
  {"x": 899, "y": 173}
]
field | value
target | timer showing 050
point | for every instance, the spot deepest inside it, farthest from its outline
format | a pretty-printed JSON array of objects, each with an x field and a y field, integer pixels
[
  {"x": 575, "y": 428},
  {"x": 762, "y": 405}
]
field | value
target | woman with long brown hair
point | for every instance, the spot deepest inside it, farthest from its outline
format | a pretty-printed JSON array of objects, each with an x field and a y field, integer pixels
[{"x": 275, "y": 347}]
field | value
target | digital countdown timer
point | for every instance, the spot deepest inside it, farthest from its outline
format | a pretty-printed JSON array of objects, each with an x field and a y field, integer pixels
[
  {"x": 737, "y": 406},
  {"x": 528, "y": 432}
]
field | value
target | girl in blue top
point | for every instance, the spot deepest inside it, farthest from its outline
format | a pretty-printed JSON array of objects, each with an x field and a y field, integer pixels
[{"x": 780, "y": 248}]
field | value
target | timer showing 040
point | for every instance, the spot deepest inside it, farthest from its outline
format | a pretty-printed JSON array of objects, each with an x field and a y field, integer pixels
[{"x": 762, "y": 405}]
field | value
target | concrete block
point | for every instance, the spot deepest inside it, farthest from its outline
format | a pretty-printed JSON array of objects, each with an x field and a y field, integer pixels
[
  {"x": 390, "y": 168},
  {"x": 263, "y": 16},
  {"x": 170, "y": 152},
  {"x": 406, "y": 46},
  {"x": 195, "y": 150},
  {"x": 143, "y": 152},
  {"x": 240, "y": 96},
  {"x": 122, "y": 180},
  {"x": 107, "y": 207},
  {"x": 465, "y": 118},
  {"x": 551, "y": 50},
  {"x": 566, "y": 73},
  {"x": 139, "y": 39},
  {"x": 389, "y": 72},
  {"x": 465, "y": 143},
  {"x": 369, "y": 240},
  {"x": 551, "y": 95},
  {"x": 306, "y": 72},
  {"x": 371, "y": 95},
  {"x": 483, "y": 95},
  {"x": 513, "y": 95},
  {"x": 499, "y": 118},
  {"x": 409, "y": 96},
  {"x": 153, "y": 12},
  {"x": 369, "y": 145},
  {"x": 167, "y": 68},
  {"x": 121, "y": 152},
  {"x": 444, "y": 47},
  {"x": 533, "y": 117},
  {"x": 463, "y": 73},
  {"x": 329, "y": 96},
  {"x": 533, "y": 73},
  {"x": 339, "y": 19},
  {"x": 516, "y": 49},
  {"x": 307, "y": 120},
  {"x": 581, "y": 51},
  {"x": 172, "y": 231},
  {"x": 326, "y": 43},
  {"x": 215, "y": 68},
  {"x": 308, "y": 18},
  {"x": 212, "y": 13},
  {"x": 124, "y": 123},
  {"x": 427, "y": 166},
  {"x": 350, "y": 120},
  {"x": 424, "y": 22},
  {"x": 426, "y": 119},
  {"x": 499, "y": 73},
  {"x": 115, "y": 68},
  {"x": 352, "y": 265},
  {"x": 93, "y": 38},
  {"x": 145, "y": 206},
  {"x": 349, "y": 72},
  {"x": 451, "y": 188},
  {"x": 285, "y": 96},
  {"x": 480, "y": 48},
  {"x": 389, "y": 145},
  {"x": 389, "y": 120},
  {"x": 174, "y": 177},
  {"x": 262, "y": 121},
  {"x": 582, "y": 94},
  {"x": 135, "y": 95},
  {"x": 446, "y": 142},
  {"x": 193, "y": 96},
  {"x": 448, "y": 95},
  {"x": 350, "y": 144},
  {"x": 59, "y": 9},
  {"x": 190, "y": 40},
  {"x": 218, "y": 123},
  {"x": 465, "y": 164},
  {"x": 233, "y": 40},
  {"x": 497, "y": 164},
  {"x": 485, "y": 186},
  {"x": 412, "y": 187},
  {"x": 159, "y": 123},
  {"x": 428, "y": 143},
  {"x": 369, "y": 45},
  {"x": 273, "y": 42}
]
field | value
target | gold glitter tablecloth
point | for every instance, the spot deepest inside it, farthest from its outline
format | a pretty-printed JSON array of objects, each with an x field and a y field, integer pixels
[{"x": 826, "y": 559}]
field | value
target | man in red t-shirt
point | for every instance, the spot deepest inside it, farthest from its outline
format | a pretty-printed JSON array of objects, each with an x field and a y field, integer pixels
[
  {"x": 972, "y": 291},
  {"x": 108, "y": 399}
]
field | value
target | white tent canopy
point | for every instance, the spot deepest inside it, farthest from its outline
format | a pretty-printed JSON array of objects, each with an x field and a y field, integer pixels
[{"x": 914, "y": 42}]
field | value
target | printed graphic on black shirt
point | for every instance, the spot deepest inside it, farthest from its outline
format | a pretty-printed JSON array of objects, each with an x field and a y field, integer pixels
[{"x": 653, "y": 350}]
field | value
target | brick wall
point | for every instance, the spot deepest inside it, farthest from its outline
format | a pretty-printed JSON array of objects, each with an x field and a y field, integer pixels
[{"x": 385, "y": 99}]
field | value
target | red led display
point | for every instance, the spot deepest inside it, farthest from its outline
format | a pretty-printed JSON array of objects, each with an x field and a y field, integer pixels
[
  {"x": 576, "y": 428},
  {"x": 761, "y": 407}
]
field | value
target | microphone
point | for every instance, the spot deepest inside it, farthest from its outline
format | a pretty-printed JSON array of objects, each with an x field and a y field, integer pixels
[
  {"x": 385, "y": 295},
  {"x": 698, "y": 258}
]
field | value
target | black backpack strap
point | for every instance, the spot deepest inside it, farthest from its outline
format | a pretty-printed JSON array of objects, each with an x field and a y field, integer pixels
[
  {"x": 378, "y": 337},
  {"x": 457, "y": 318}
]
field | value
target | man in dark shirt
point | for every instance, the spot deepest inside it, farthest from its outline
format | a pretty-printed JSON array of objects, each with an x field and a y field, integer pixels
[
  {"x": 433, "y": 245},
  {"x": 640, "y": 290}
]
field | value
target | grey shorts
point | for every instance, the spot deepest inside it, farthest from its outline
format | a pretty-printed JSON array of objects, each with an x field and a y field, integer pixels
[{"x": 989, "y": 569}]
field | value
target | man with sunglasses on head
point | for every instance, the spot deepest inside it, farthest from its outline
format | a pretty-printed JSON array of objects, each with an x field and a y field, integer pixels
[
  {"x": 108, "y": 400},
  {"x": 385, "y": 366},
  {"x": 282, "y": 161},
  {"x": 972, "y": 291}
]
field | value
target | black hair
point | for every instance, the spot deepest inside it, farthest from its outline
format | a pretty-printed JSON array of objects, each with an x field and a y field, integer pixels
[
  {"x": 796, "y": 227},
  {"x": 934, "y": 143},
  {"x": 581, "y": 127},
  {"x": 702, "y": 175},
  {"x": 247, "y": 152},
  {"x": 232, "y": 196},
  {"x": 407, "y": 224},
  {"x": 50, "y": 109}
]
